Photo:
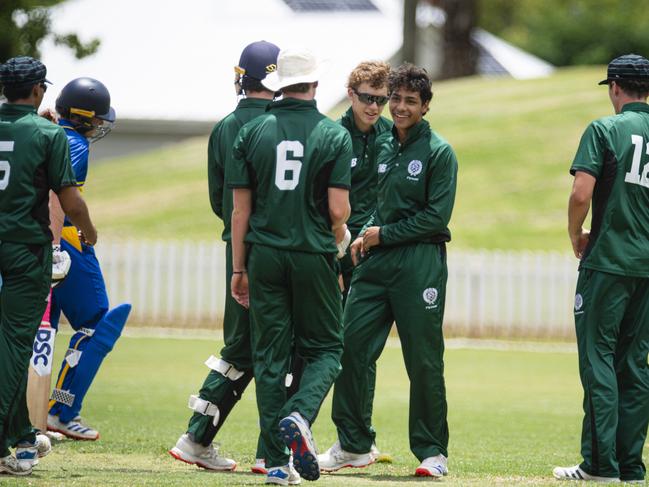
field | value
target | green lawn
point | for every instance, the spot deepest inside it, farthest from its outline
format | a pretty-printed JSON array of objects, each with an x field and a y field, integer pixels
[
  {"x": 513, "y": 416},
  {"x": 514, "y": 139}
]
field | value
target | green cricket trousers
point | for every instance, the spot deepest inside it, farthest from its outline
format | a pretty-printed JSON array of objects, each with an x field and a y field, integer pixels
[
  {"x": 612, "y": 325},
  {"x": 406, "y": 284},
  {"x": 218, "y": 389},
  {"x": 26, "y": 272},
  {"x": 294, "y": 298},
  {"x": 347, "y": 271}
]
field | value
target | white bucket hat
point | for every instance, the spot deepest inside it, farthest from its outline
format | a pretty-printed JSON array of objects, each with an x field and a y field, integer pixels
[{"x": 294, "y": 66}]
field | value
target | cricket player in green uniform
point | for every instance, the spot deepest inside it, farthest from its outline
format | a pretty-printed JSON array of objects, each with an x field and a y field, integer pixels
[
  {"x": 401, "y": 277},
  {"x": 291, "y": 181},
  {"x": 232, "y": 372},
  {"x": 611, "y": 309},
  {"x": 34, "y": 159},
  {"x": 367, "y": 90}
]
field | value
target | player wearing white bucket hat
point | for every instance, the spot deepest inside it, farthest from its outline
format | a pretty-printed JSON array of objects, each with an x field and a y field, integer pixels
[{"x": 294, "y": 66}]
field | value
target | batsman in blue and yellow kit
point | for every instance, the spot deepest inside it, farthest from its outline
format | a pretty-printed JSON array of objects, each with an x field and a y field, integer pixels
[{"x": 86, "y": 116}]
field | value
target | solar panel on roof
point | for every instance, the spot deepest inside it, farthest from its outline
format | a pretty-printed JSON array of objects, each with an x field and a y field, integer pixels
[{"x": 331, "y": 5}]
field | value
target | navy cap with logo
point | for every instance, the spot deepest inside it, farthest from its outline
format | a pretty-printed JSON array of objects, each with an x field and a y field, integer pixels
[
  {"x": 258, "y": 59},
  {"x": 627, "y": 67}
]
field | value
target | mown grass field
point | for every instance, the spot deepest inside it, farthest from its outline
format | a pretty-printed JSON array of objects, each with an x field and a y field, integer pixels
[
  {"x": 513, "y": 415},
  {"x": 514, "y": 139}
]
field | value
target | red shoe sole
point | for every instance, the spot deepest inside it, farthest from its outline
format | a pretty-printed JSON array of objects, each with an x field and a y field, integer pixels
[
  {"x": 202, "y": 465},
  {"x": 71, "y": 436},
  {"x": 178, "y": 457},
  {"x": 259, "y": 470},
  {"x": 422, "y": 472},
  {"x": 348, "y": 466}
]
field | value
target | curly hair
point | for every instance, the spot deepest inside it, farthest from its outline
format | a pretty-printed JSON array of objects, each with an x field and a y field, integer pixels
[
  {"x": 412, "y": 78},
  {"x": 373, "y": 72},
  {"x": 635, "y": 88}
]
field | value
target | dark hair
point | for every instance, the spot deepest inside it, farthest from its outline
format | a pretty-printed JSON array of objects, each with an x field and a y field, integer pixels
[
  {"x": 412, "y": 78},
  {"x": 249, "y": 84},
  {"x": 634, "y": 88},
  {"x": 298, "y": 88},
  {"x": 13, "y": 93}
]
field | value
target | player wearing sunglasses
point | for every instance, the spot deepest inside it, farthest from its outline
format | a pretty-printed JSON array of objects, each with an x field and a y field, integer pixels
[{"x": 367, "y": 90}]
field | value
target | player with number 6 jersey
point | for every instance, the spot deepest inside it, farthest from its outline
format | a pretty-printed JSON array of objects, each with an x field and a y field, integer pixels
[
  {"x": 611, "y": 169},
  {"x": 291, "y": 178}
]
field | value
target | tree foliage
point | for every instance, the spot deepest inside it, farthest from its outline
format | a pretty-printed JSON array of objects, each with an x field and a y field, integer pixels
[
  {"x": 24, "y": 24},
  {"x": 570, "y": 32}
]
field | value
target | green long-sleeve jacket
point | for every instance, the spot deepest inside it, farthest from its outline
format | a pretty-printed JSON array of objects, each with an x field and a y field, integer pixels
[
  {"x": 362, "y": 195},
  {"x": 416, "y": 187},
  {"x": 219, "y": 156}
]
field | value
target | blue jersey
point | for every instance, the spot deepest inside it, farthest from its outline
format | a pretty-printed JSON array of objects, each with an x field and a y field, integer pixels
[{"x": 79, "y": 151}]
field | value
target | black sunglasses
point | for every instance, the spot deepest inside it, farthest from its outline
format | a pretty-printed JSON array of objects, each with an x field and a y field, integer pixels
[{"x": 369, "y": 99}]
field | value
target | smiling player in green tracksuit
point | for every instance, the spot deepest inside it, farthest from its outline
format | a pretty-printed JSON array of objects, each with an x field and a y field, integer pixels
[
  {"x": 401, "y": 277},
  {"x": 367, "y": 90}
]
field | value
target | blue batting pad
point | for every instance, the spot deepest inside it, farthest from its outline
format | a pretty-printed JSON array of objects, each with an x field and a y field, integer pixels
[{"x": 77, "y": 380}]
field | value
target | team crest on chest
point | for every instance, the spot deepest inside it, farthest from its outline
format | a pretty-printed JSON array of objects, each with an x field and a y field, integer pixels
[
  {"x": 383, "y": 168},
  {"x": 430, "y": 297},
  {"x": 414, "y": 167}
]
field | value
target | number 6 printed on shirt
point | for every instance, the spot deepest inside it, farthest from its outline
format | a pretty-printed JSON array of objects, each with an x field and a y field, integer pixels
[{"x": 287, "y": 171}]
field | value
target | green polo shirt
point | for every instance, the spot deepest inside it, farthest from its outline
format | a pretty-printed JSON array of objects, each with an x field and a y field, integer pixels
[
  {"x": 289, "y": 157},
  {"x": 362, "y": 195},
  {"x": 34, "y": 158},
  {"x": 615, "y": 151},
  {"x": 416, "y": 187},
  {"x": 219, "y": 156}
]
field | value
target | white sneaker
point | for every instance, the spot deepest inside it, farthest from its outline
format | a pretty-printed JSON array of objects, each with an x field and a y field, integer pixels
[
  {"x": 433, "y": 467},
  {"x": 75, "y": 429},
  {"x": 259, "y": 466},
  {"x": 297, "y": 436},
  {"x": 336, "y": 458},
  {"x": 286, "y": 475},
  {"x": 9, "y": 465},
  {"x": 202, "y": 456},
  {"x": 576, "y": 473}
]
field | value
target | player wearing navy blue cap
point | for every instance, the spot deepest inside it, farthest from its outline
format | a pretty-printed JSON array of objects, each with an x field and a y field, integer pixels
[
  {"x": 611, "y": 169},
  {"x": 231, "y": 373}
]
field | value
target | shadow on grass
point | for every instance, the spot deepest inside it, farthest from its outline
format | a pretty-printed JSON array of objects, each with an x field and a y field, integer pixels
[{"x": 381, "y": 477}]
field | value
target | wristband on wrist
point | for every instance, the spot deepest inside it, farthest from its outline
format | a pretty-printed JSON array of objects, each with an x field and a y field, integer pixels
[{"x": 239, "y": 272}]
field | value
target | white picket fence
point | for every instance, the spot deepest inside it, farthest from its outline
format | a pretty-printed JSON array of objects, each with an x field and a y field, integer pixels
[{"x": 489, "y": 293}]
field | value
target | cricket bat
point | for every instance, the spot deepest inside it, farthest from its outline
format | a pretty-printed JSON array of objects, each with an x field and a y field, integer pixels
[{"x": 40, "y": 371}]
